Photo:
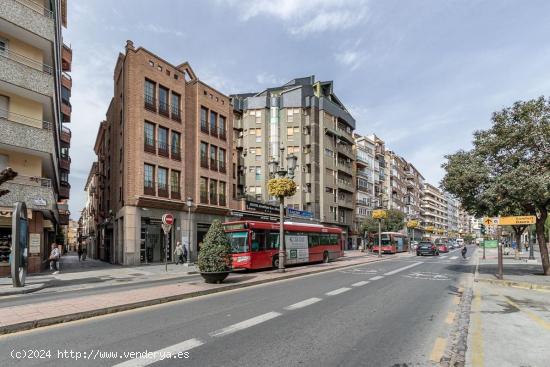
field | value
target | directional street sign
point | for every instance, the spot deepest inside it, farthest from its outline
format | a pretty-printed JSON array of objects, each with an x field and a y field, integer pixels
[
  {"x": 491, "y": 221},
  {"x": 517, "y": 220}
]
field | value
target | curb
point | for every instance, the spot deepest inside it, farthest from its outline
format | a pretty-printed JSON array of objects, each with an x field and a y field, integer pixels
[
  {"x": 8, "y": 329},
  {"x": 23, "y": 290},
  {"x": 510, "y": 283}
]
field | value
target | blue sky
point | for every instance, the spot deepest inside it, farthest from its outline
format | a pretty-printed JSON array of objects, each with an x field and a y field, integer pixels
[{"x": 422, "y": 75}]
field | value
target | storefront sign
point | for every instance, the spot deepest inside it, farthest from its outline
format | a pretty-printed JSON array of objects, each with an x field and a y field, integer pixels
[
  {"x": 34, "y": 243},
  {"x": 39, "y": 201},
  {"x": 299, "y": 213},
  {"x": 261, "y": 207}
]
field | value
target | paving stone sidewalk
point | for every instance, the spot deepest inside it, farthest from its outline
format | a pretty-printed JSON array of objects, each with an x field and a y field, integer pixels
[{"x": 62, "y": 310}]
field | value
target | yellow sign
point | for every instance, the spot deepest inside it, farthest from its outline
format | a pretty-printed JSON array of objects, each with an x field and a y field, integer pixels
[
  {"x": 429, "y": 229},
  {"x": 379, "y": 214},
  {"x": 412, "y": 224},
  {"x": 491, "y": 221},
  {"x": 517, "y": 221}
]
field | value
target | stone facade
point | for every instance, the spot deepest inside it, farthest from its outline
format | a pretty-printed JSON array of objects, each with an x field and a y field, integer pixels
[
  {"x": 28, "y": 137},
  {"x": 26, "y": 77},
  {"x": 31, "y": 16}
]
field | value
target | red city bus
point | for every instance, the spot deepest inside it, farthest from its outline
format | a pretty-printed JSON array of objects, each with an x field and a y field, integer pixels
[
  {"x": 392, "y": 242},
  {"x": 255, "y": 245}
]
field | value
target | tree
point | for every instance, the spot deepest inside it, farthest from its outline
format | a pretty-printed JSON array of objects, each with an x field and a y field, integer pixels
[
  {"x": 507, "y": 172},
  {"x": 394, "y": 222},
  {"x": 215, "y": 254},
  {"x": 7, "y": 174}
]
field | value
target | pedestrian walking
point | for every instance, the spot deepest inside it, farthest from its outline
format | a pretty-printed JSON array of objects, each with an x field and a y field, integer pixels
[
  {"x": 185, "y": 253},
  {"x": 84, "y": 253},
  {"x": 464, "y": 251},
  {"x": 178, "y": 253},
  {"x": 79, "y": 251},
  {"x": 54, "y": 258}
]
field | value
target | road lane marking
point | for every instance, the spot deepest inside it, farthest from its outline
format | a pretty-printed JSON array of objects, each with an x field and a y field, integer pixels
[
  {"x": 403, "y": 268},
  {"x": 456, "y": 300},
  {"x": 450, "y": 318},
  {"x": 438, "y": 349},
  {"x": 303, "y": 303},
  {"x": 376, "y": 277},
  {"x": 454, "y": 257},
  {"x": 245, "y": 324},
  {"x": 161, "y": 354},
  {"x": 337, "y": 291},
  {"x": 359, "y": 284},
  {"x": 536, "y": 318},
  {"x": 443, "y": 257}
]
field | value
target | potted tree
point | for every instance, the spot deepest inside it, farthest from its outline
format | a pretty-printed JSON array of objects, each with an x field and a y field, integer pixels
[{"x": 215, "y": 258}]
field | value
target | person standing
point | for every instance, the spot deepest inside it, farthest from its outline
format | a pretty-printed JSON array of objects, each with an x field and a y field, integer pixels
[
  {"x": 178, "y": 253},
  {"x": 54, "y": 258},
  {"x": 79, "y": 251}
]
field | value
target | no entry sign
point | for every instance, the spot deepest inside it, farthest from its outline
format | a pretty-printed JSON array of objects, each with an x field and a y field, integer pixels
[{"x": 168, "y": 219}]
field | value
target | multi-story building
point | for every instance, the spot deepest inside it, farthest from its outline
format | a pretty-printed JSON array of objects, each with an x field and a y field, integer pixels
[
  {"x": 89, "y": 215},
  {"x": 396, "y": 182},
  {"x": 72, "y": 234},
  {"x": 464, "y": 223},
  {"x": 414, "y": 181},
  {"x": 166, "y": 141},
  {"x": 35, "y": 89},
  {"x": 305, "y": 118},
  {"x": 434, "y": 208},
  {"x": 452, "y": 213}
]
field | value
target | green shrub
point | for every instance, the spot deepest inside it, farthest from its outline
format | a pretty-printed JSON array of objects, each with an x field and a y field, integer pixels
[{"x": 215, "y": 253}]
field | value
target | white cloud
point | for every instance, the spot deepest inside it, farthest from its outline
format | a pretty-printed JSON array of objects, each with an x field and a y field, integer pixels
[
  {"x": 269, "y": 79},
  {"x": 350, "y": 59},
  {"x": 303, "y": 17}
]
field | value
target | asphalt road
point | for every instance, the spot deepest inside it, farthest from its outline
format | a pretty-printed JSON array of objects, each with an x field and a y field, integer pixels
[{"x": 387, "y": 313}]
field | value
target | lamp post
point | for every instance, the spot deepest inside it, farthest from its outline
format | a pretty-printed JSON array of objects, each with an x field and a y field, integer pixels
[
  {"x": 189, "y": 203},
  {"x": 280, "y": 172},
  {"x": 380, "y": 214}
]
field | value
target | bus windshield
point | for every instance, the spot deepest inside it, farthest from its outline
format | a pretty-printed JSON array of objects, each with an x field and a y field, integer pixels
[
  {"x": 385, "y": 241},
  {"x": 239, "y": 241}
]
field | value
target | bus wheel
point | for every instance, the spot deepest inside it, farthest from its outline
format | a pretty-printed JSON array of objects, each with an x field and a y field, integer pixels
[
  {"x": 325, "y": 257},
  {"x": 275, "y": 262}
]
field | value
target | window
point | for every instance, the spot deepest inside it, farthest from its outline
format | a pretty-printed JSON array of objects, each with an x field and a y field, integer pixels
[
  {"x": 175, "y": 148},
  {"x": 175, "y": 107},
  {"x": 149, "y": 137},
  {"x": 213, "y": 155},
  {"x": 258, "y": 152},
  {"x": 203, "y": 186},
  {"x": 175, "y": 184},
  {"x": 149, "y": 94},
  {"x": 65, "y": 95},
  {"x": 163, "y": 100},
  {"x": 162, "y": 180},
  {"x": 151, "y": 63},
  {"x": 221, "y": 159},
  {"x": 204, "y": 155},
  {"x": 329, "y": 153},
  {"x": 222, "y": 193},
  {"x": 258, "y": 173},
  {"x": 213, "y": 192},
  {"x": 221, "y": 123},
  {"x": 4, "y": 106},
  {"x": 3, "y": 45},
  {"x": 258, "y": 115},
  {"x": 213, "y": 123},
  {"x": 258, "y": 135},
  {"x": 204, "y": 120},
  {"x": 163, "y": 141},
  {"x": 148, "y": 179}
]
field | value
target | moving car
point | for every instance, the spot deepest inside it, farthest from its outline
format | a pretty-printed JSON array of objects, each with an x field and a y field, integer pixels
[
  {"x": 427, "y": 248},
  {"x": 442, "y": 247}
]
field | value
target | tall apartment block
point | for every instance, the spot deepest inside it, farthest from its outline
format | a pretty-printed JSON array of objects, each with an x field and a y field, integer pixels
[
  {"x": 453, "y": 207},
  {"x": 303, "y": 117},
  {"x": 166, "y": 139},
  {"x": 35, "y": 89},
  {"x": 434, "y": 208}
]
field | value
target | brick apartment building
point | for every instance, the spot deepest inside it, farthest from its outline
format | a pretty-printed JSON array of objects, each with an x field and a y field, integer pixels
[{"x": 167, "y": 138}]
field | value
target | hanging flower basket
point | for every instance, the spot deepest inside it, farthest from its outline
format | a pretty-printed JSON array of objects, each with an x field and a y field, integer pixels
[{"x": 281, "y": 187}]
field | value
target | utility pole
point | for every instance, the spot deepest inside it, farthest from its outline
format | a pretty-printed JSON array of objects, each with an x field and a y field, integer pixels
[
  {"x": 531, "y": 249},
  {"x": 500, "y": 259},
  {"x": 380, "y": 237}
]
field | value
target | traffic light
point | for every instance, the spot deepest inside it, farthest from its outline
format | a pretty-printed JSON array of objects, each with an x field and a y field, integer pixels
[{"x": 482, "y": 228}]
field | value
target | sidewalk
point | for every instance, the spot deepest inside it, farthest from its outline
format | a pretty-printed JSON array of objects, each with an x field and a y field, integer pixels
[
  {"x": 91, "y": 273},
  {"x": 517, "y": 273},
  {"x": 16, "y": 318}
]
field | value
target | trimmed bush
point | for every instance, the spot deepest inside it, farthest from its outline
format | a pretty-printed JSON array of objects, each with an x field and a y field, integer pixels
[{"x": 215, "y": 253}]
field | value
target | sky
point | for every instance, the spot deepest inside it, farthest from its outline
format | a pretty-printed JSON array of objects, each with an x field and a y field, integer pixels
[{"x": 423, "y": 75}]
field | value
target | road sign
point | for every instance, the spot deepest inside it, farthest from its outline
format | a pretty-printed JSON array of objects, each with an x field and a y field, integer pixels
[
  {"x": 517, "y": 220},
  {"x": 491, "y": 221},
  {"x": 168, "y": 219},
  {"x": 166, "y": 228}
]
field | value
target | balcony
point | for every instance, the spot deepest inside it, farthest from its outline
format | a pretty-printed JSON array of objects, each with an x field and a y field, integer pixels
[
  {"x": 204, "y": 162},
  {"x": 175, "y": 113},
  {"x": 66, "y": 81},
  {"x": 213, "y": 198},
  {"x": 25, "y": 132},
  {"x": 164, "y": 109},
  {"x": 175, "y": 193},
  {"x": 162, "y": 190},
  {"x": 345, "y": 185},
  {"x": 345, "y": 167},
  {"x": 175, "y": 153},
  {"x": 36, "y": 192},
  {"x": 204, "y": 127},
  {"x": 213, "y": 165},
  {"x": 347, "y": 203},
  {"x": 214, "y": 131},
  {"x": 149, "y": 146},
  {"x": 344, "y": 149},
  {"x": 149, "y": 188},
  {"x": 150, "y": 103},
  {"x": 222, "y": 134},
  {"x": 64, "y": 217},
  {"x": 26, "y": 73},
  {"x": 66, "y": 58},
  {"x": 65, "y": 136},
  {"x": 65, "y": 162},
  {"x": 66, "y": 110},
  {"x": 64, "y": 190},
  {"x": 222, "y": 200},
  {"x": 222, "y": 167},
  {"x": 29, "y": 15},
  {"x": 203, "y": 197},
  {"x": 163, "y": 149}
]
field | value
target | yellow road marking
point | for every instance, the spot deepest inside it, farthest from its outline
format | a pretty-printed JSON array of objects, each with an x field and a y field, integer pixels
[
  {"x": 456, "y": 300},
  {"x": 461, "y": 290},
  {"x": 438, "y": 349},
  {"x": 477, "y": 335},
  {"x": 533, "y": 316},
  {"x": 450, "y": 318}
]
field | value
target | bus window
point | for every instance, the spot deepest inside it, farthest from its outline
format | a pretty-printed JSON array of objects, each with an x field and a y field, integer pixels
[
  {"x": 272, "y": 241},
  {"x": 324, "y": 239},
  {"x": 238, "y": 241},
  {"x": 334, "y": 239},
  {"x": 313, "y": 240},
  {"x": 258, "y": 241}
]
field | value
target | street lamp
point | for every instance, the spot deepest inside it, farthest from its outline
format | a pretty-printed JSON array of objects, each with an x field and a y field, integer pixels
[
  {"x": 380, "y": 214},
  {"x": 279, "y": 171},
  {"x": 189, "y": 203}
]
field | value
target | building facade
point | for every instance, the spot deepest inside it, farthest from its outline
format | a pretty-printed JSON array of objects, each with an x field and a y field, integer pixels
[
  {"x": 434, "y": 210},
  {"x": 166, "y": 141},
  {"x": 305, "y": 118},
  {"x": 89, "y": 218},
  {"x": 35, "y": 90}
]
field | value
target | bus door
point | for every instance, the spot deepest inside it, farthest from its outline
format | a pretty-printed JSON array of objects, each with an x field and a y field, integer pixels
[
  {"x": 398, "y": 244},
  {"x": 259, "y": 256}
]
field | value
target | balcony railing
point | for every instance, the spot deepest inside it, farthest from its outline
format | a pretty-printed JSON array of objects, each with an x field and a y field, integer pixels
[
  {"x": 204, "y": 197},
  {"x": 175, "y": 113},
  {"x": 162, "y": 190},
  {"x": 67, "y": 57},
  {"x": 34, "y": 6},
  {"x": 175, "y": 153},
  {"x": 222, "y": 134},
  {"x": 214, "y": 131},
  {"x": 163, "y": 149},
  {"x": 149, "y": 146},
  {"x": 204, "y": 162},
  {"x": 22, "y": 119},
  {"x": 175, "y": 194},
  {"x": 164, "y": 109},
  {"x": 222, "y": 167},
  {"x": 149, "y": 188},
  {"x": 213, "y": 164},
  {"x": 204, "y": 127},
  {"x": 65, "y": 162},
  {"x": 65, "y": 135},
  {"x": 213, "y": 198},
  {"x": 24, "y": 60},
  {"x": 150, "y": 103},
  {"x": 222, "y": 200}
]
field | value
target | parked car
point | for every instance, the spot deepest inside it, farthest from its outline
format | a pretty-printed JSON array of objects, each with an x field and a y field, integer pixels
[
  {"x": 442, "y": 247},
  {"x": 414, "y": 245},
  {"x": 427, "y": 248}
]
